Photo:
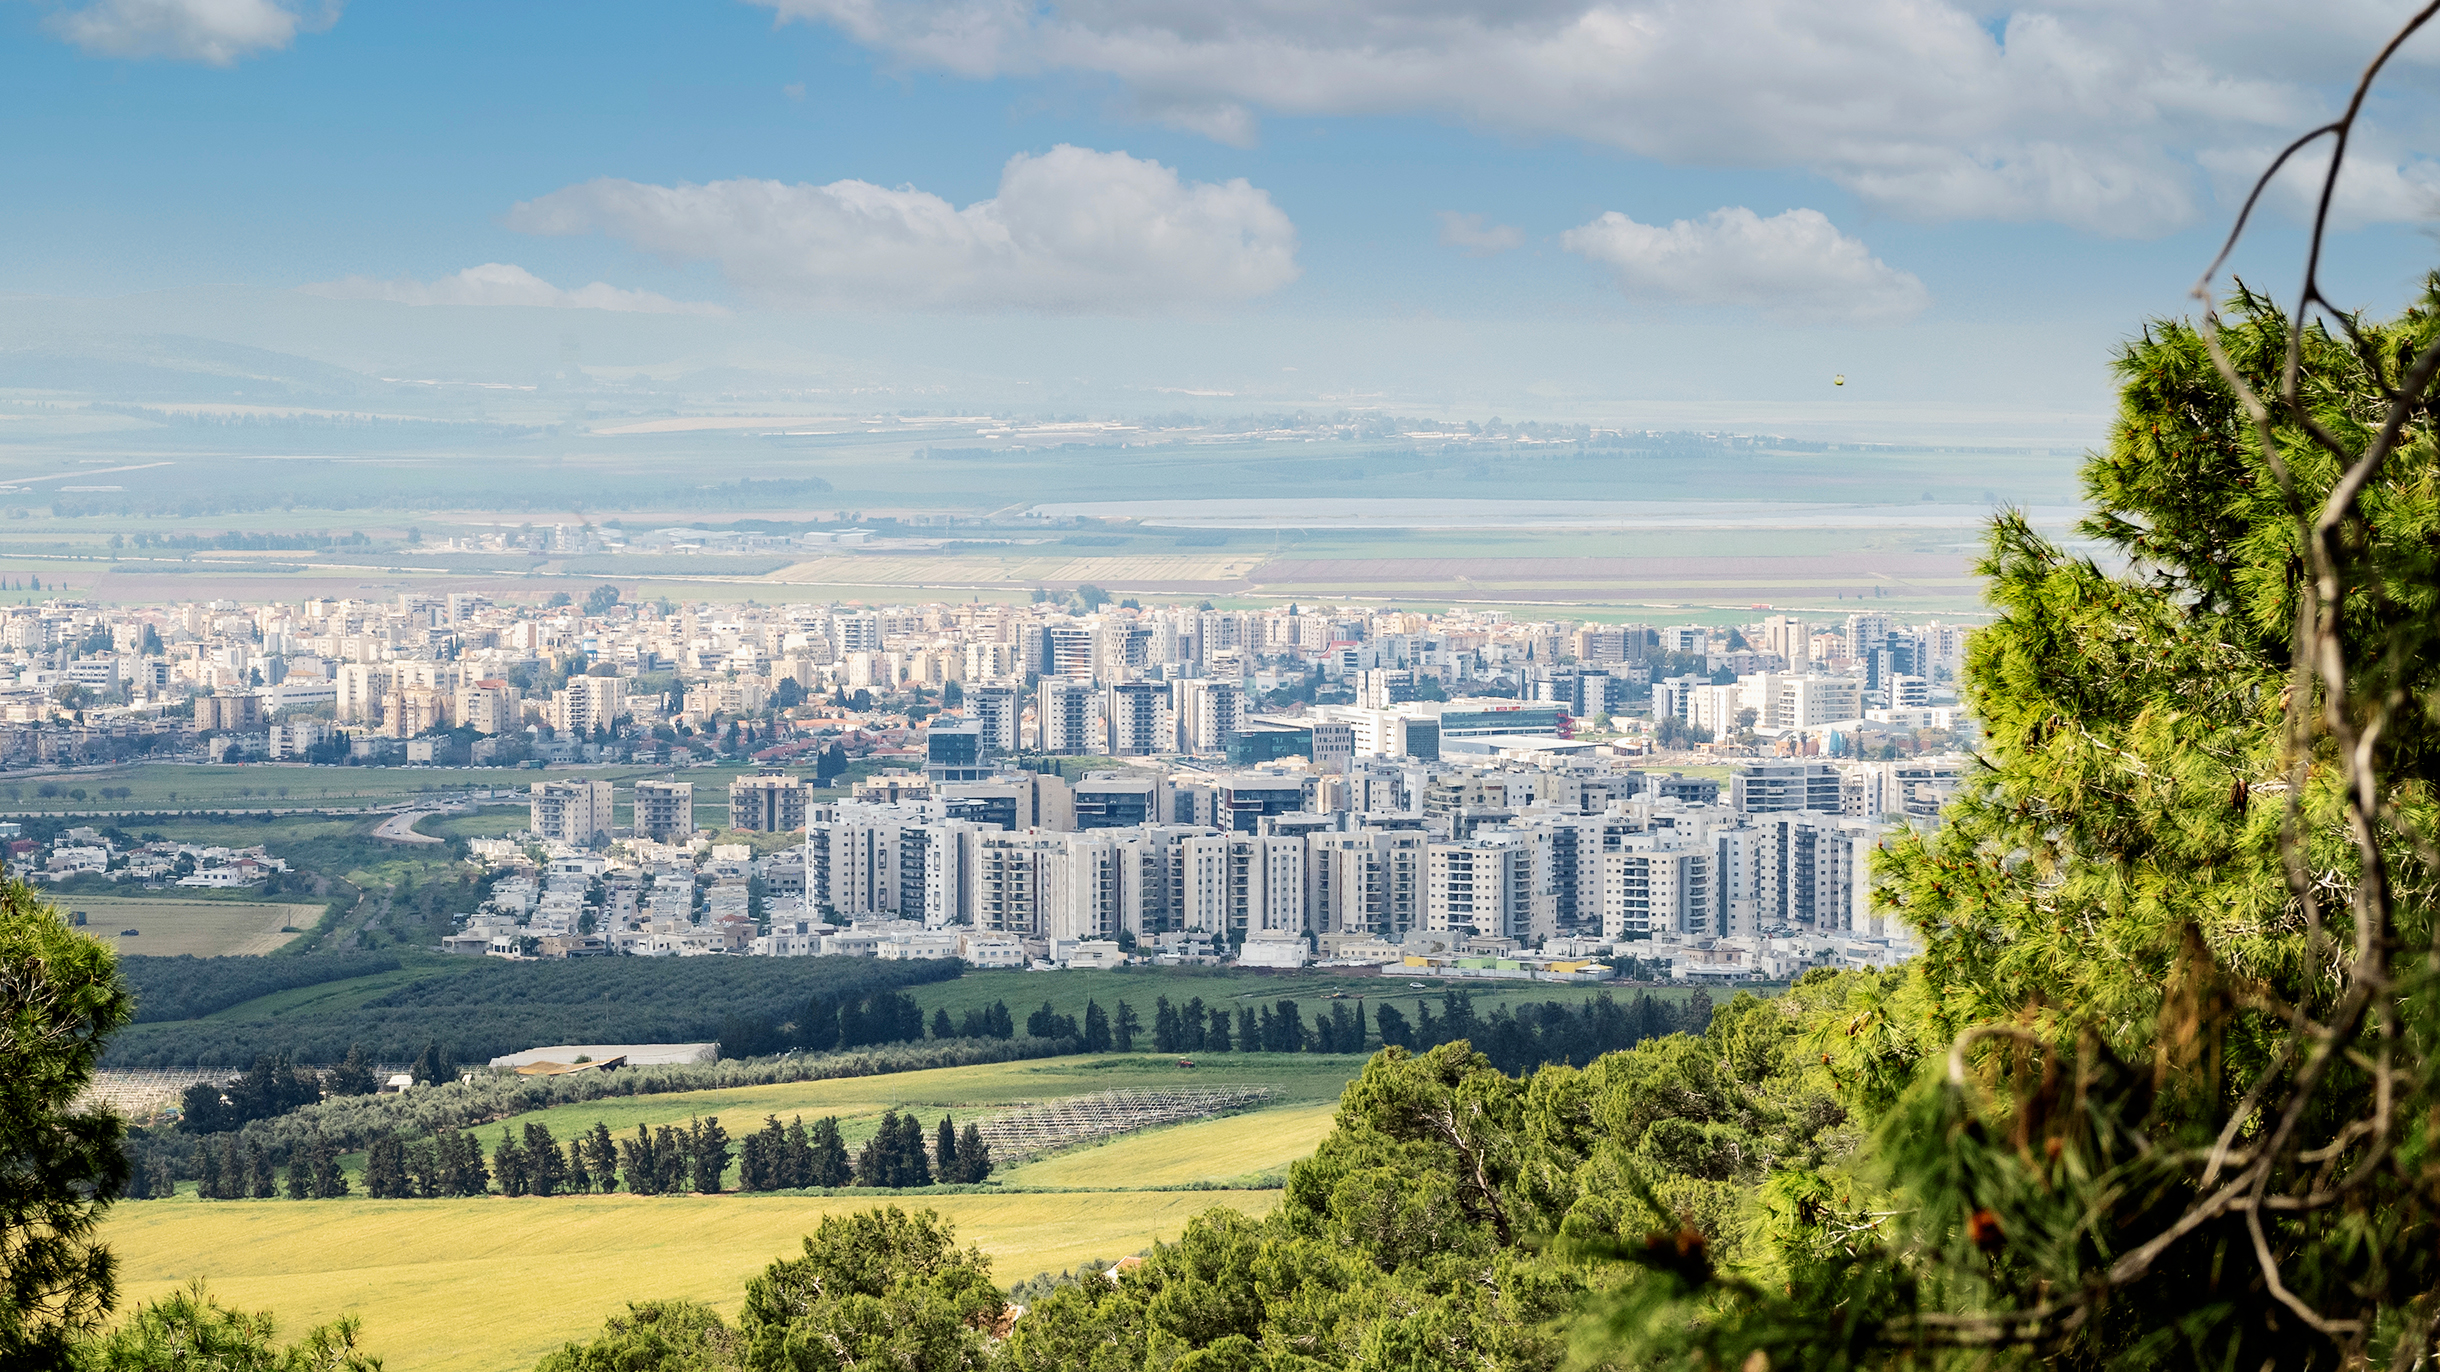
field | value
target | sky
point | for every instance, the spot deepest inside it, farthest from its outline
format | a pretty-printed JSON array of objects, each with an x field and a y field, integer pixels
[{"x": 1673, "y": 214}]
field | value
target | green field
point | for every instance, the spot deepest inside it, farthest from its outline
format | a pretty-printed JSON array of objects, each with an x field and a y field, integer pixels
[
  {"x": 1303, "y": 1079},
  {"x": 205, "y": 928},
  {"x": 158, "y": 786},
  {"x": 1228, "y": 1149},
  {"x": 491, "y": 1285}
]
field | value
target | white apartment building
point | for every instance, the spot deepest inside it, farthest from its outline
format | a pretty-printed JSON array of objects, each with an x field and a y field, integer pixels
[{"x": 570, "y": 811}]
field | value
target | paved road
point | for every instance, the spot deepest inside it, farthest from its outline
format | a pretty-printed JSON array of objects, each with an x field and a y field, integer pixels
[{"x": 401, "y": 828}]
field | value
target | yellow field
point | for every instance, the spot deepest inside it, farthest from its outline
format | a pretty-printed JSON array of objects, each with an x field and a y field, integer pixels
[
  {"x": 1215, "y": 1150},
  {"x": 491, "y": 1285},
  {"x": 205, "y": 928}
]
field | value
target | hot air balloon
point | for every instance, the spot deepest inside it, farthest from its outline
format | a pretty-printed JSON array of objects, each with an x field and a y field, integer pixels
[{"x": 1839, "y": 380}]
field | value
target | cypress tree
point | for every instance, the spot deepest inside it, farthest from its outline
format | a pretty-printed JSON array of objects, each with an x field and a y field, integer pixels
[
  {"x": 300, "y": 1174},
  {"x": 1191, "y": 1031},
  {"x": 1096, "y": 1029},
  {"x": 601, "y": 1157},
  {"x": 1249, "y": 1035},
  {"x": 385, "y": 1168},
  {"x": 508, "y": 1165},
  {"x": 1124, "y": 1026},
  {"x": 944, "y": 1152},
  {"x": 709, "y": 1154},
  {"x": 207, "y": 1171},
  {"x": 266, "y": 1176},
  {"x": 329, "y": 1183},
  {"x": 795, "y": 1162},
  {"x": 671, "y": 1157},
  {"x": 1002, "y": 1026},
  {"x": 636, "y": 1163},
  {"x": 1217, "y": 1035},
  {"x": 233, "y": 1170},
  {"x": 580, "y": 1180},
  {"x": 826, "y": 1158},
  {"x": 1165, "y": 1027},
  {"x": 941, "y": 1028},
  {"x": 543, "y": 1172}
]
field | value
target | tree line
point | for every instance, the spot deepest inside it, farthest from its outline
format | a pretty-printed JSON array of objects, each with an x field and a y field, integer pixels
[
  {"x": 484, "y": 1007},
  {"x": 662, "y": 1160}
]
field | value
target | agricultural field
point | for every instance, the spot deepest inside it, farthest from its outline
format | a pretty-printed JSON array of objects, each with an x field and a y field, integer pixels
[
  {"x": 1243, "y": 1148},
  {"x": 490, "y": 1285},
  {"x": 203, "y": 928},
  {"x": 966, "y": 1093}
]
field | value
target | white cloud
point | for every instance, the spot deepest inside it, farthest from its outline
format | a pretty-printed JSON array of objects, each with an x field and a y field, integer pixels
[
  {"x": 1070, "y": 230},
  {"x": 499, "y": 283},
  {"x": 1468, "y": 231},
  {"x": 218, "y": 32},
  {"x": 2091, "y": 113},
  {"x": 1794, "y": 266}
]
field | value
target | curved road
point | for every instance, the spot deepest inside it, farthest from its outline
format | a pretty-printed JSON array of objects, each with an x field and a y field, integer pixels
[{"x": 400, "y": 828}]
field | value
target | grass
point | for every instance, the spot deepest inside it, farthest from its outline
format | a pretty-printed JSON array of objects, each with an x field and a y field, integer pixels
[
  {"x": 327, "y": 997},
  {"x": 1231, "y": 1148},
  {"x": 492, "y": 1284},
  {"x": 1303, "y": 1079},
  {"x": 213, "y": 928},
  {"x": 211, "y": 786}
]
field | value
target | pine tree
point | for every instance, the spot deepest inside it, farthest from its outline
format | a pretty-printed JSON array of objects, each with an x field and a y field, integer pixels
[
  {"x": 973, "y": 1155},
  {"x": 826, "y": 1161},
  {"x": 875, "y": 1163},
  {"x": 1002, "y": 1026},
  {"x": 941, "y": 1027},
  {"x": 914, "y": 1164},
  {"x": 1096, "y": 1029},
  {"x": 944, "y": 1152}
]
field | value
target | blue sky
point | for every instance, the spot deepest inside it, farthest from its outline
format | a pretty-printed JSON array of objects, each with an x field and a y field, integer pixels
[{"x": 1959, "y": 207}]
